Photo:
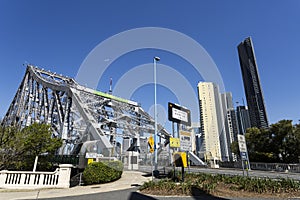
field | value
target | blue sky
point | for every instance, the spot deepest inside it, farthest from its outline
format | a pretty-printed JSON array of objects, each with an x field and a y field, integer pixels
[{"x": 58, "y": 36}]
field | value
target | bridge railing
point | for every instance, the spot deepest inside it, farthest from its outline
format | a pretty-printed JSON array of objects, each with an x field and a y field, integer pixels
[{"x": 60, "y": 178}]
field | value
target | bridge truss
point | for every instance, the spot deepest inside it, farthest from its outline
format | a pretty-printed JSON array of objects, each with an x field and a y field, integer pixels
[{"x": 79, "y": 115}]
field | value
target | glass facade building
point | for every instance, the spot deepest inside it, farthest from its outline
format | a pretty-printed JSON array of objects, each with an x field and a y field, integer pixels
[
  {"x": 252, "y": 86},
  {"x": 243, "y": 119}
]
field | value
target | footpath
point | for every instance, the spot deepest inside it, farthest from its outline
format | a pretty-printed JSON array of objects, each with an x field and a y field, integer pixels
[{"x": 128, "y": 180}]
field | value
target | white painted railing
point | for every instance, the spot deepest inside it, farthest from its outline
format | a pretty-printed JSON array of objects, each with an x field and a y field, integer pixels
[{"x": 60, "y": 178}]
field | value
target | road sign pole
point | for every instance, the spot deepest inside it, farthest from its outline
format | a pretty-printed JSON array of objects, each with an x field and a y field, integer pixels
[
  {"x": 178, "y": 136},
  {"x": 182, "y": 173},
  {"x": 242, "y": 163},
  {"x": 155, "y": 59},
  {"x": 170, "y": 156},
  {"x": 152, "y": 159},
  {"x": 244, "y": 152},
  {"x": 249, "y": 168}
]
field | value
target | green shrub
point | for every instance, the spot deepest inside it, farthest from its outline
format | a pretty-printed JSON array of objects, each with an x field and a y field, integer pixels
[
  {"x": 148, "y": 184},
  {"x": 207, "y": 183},
  {"x": 102, "y": 172}
]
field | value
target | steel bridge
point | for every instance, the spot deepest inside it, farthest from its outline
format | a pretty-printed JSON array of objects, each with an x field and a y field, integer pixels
[{"x": 85, "y": 119}]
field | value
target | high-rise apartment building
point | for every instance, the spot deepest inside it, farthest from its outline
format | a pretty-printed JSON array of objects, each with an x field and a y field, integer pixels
[
  {"x": 230, "y": 123},
  {"x": 252, "y": 86},
  {"x": 210, "y": 110},
  {"x": 243, "y": 119},
  {"x": 196, "y": 130}
]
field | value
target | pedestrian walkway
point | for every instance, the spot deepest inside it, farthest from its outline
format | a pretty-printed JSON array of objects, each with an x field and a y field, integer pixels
[{"x": 128, "y": 180}]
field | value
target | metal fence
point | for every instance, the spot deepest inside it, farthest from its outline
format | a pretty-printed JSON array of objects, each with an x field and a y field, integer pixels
[
  {"x": 276, "y": 167},
  {"x": 163, "y": 159}
]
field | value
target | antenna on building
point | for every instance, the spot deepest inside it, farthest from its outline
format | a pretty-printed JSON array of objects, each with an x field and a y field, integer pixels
[{"x": 110, "y": 85}]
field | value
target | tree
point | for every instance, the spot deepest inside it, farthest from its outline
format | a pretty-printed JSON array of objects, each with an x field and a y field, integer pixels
[
  {"x": 20, "y": 147},
  {"x": 290, "y": 147},
  {"x": 281, "y": 138},
  {"x": 296, "y": 143},
  {"x": 37, "y": 139},
  {"x": 234, "y": 146},
  {"x": 279, "y": 143},
  {"x": 258, "y": 144},
  {"x": 8, "y": 146}
]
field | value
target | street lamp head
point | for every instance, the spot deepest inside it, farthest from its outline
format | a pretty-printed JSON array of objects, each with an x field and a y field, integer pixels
[{"x": 157, "y": 58}]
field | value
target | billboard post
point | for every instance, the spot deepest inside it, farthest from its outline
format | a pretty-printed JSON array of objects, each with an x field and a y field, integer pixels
[{"x": 180, "y": 115}]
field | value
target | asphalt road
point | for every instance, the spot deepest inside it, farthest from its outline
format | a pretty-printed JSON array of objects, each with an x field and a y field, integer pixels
[
  {"x": 130, "y": 194},
  {"x": 133, "y": 194}
]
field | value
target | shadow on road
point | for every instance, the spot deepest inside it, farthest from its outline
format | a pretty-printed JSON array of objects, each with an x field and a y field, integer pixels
[
  {"x": 200, "y": 194},
  {"x": 196, "y": 194},
  {"x": 139, "y": 196}
]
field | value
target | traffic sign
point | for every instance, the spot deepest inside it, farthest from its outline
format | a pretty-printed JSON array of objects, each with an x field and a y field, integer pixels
[
  {"x": 242, "y": 143},
  {"x": 244, "y": 156},
  {"x": 180, "y": 159},
  {"x": 90, "y": 155},
  {"x": 243, "y": 151},
  {"x": 151, "y": 144},
  {"x": 174, "y": 142},
  {"x": 185, "y": 141},
  {"x": 179, "y": 114}
]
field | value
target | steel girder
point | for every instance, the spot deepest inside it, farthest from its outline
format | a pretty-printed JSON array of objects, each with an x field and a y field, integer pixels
[{"x": 77, "y": 114}]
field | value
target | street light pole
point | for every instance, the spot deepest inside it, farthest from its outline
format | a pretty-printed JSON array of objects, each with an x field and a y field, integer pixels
[{"x": 156, "y": 59}]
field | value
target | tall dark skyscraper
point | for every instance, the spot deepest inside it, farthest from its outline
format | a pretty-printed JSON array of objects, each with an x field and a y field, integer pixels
[{"x": 253, "y": 91}]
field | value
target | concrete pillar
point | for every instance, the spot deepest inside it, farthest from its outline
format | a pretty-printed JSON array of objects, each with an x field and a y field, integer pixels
[
  {"x": 3, "y": 175},
  {"x": 64, "y": 175}
]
